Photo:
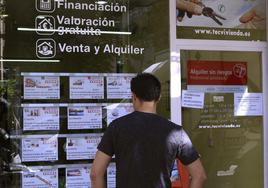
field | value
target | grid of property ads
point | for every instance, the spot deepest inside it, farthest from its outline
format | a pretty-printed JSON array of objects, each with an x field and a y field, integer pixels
[{"x": 64, "y": 136}]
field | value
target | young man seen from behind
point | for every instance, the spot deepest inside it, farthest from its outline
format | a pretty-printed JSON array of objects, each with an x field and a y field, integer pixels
[{"x": 145, "y": 145}]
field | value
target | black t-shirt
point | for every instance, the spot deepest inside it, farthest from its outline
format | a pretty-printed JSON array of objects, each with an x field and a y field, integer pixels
[{"x": 145, "y": 146}]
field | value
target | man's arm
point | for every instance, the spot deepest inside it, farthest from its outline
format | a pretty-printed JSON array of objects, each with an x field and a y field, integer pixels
[
  {"x": 197, "y": 173},
  {"x": 98, "y": 169}
]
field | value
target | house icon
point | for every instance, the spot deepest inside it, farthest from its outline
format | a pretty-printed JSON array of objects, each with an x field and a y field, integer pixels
[
  {"x": 45, "y": 25},
  {"x": 45, "y": 48}
]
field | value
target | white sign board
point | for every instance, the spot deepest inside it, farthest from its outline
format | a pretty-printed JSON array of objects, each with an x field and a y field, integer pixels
[
  {"x": 43, "y": 178},
  {"x": 41, "y": 87},
  {"x": 79, "y": 148},
  {"x": 117, "y": 110},
  {"x": 111, "y": 176},
  {"x": 86, "y": 117},
  {"x": 118, "y": 87},
  {"x": 248, "y": 104},
  {"x": 39, "y": 149},
  {"x": 41, "y": 118},
  {"x": 86, "y": 87},
  {"x": 192, "y": 99},
  {"x": 78, "y": 177}
]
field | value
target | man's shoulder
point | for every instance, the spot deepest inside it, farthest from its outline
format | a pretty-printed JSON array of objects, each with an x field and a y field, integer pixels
[
  {"x": 167, "y": 122},
  {"x": 122, "y": 119},
  {"x": 135, "y": 117}
]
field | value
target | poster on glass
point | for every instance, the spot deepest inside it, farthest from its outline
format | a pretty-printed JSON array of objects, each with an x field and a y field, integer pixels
[
  {"x": 87, "y": 87},
  {"x": 111, "y": 176},
  {"x": 78, "y": 177},
  {"x": 41, "y": 118},
  {"x": 78, "y": 148},
  {"x": 85, "y": 117},
  {"x": 41, "y": 87},
  {"x": 221, "y": 19},
  {"x": 118, "y": 86},
  {"x": 40, "y": 149},
  {"x": 117, "y": 110},
  {"x": 40, "y": 178}
]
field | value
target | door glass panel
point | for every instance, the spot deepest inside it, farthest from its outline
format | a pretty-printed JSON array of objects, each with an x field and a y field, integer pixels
[{"x": 225, "y": 120}]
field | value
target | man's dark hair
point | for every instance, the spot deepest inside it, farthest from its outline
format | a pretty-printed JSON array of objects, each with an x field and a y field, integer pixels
[{"x": 146, "y": 87}]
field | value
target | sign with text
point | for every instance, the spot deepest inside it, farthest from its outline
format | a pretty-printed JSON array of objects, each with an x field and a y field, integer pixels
[
  {"x": 221, "y": 20},
  {"x": 78, "y": 148},
  {"x": 218, "y": 88},
  {"x": 78, "y": 177},
  {"x": 216, "y": 73},
  {"x": 39, "y": 149},
  {"x": 192, "y": 99},
  {"x": 217, "y": 113},
  {"x": 41, "y": 87},
  {"x": 87, "y": 87},
  {"x": 86, "y": 117},
  {"x": 111, "y": 176},
  {"x": 42, "y": 178},
  {"x": 117, "y": 110},
  {"x": 118, "y": 87},
  {"x": 248, "y": 104},
  {"x": 41, "y": 118}
]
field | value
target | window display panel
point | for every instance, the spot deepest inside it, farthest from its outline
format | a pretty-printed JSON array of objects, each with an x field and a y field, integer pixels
[{"x": 223, "y": 114}]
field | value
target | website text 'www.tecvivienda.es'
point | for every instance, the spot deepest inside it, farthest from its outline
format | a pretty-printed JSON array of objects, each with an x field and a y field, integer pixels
[
  {"x": 222, "y": 32},
  {"x": 218, "y": 126}
]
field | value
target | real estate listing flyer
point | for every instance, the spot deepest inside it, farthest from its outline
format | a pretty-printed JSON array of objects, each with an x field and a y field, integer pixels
[
  {"x": 42, "y": 178},
  {"x": 118, "y": 86},
  {"x": 39, "y": 149},
  {"x": 86, "y": 87},
  {"x": 85, "y": 117},
  {"x": 78, "y": 177},
  {"x": 117, "y": 110},
  {"x": 85, "y": 147},
  {"x": 41, "y": 87},
  {"x": 41, "y": 118}
]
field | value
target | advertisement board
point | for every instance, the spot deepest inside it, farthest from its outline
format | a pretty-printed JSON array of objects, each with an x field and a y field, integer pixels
[{"x": 221, "y": 20}]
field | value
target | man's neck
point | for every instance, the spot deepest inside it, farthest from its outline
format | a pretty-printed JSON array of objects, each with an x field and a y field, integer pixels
[{"x": 148, "y": 107}]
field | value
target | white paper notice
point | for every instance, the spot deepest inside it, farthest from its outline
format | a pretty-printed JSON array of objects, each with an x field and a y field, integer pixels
[
  {"x": 83, "y": 147},
  {"x": 89, "y": 117},
  {"x": 192, "y": 99},
  {"x": 43, "y": 178},
  {"x": 77, "y": 177},
  {"x": 87, "y": 87},
  {"x": 111, "y": 176},
  {"x": 41, "y": 87},
  {"x": 118, "y": 87},
  {"x": 248, "y": 104},
  {"x": 218, "y": 88},
  {"x": 117, "y": 110},
  {"x": 41, "y": 118},
  {"x": 39, "y": 149}
]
